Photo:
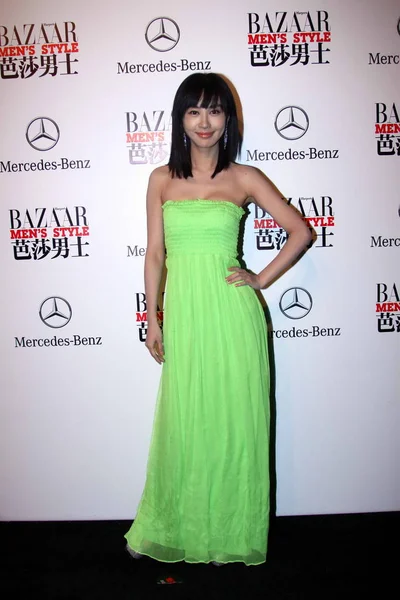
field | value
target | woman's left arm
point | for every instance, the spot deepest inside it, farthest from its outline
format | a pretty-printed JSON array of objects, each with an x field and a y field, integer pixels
[{"x": 258, "y": 187}]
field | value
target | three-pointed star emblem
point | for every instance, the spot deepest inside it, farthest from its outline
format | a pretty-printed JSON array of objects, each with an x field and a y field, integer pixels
[
  {"x": 55, "y": 312},
  {"x": 162, "y": 34},
  {"x": 295, "y": 303},
  {"x": 291, "y": 122},
  {"x": 42, "y": 134}
]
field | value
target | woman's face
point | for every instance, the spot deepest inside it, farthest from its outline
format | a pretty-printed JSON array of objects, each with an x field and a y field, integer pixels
[{"x": 204, "y": 126}]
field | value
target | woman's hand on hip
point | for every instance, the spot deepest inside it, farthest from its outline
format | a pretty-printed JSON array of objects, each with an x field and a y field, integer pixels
[{"x": 241, "y": 277}]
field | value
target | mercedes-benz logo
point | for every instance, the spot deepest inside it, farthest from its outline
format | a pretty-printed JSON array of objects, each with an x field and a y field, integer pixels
[
  {"x": 55, "y": 312},
  {"x": 295, "y": 303},
  {"x": 291, "y": 122},
  {"x": 398, "y": 26},
  {"x": 42, "y": 134},
  {"x": 162, "y": 34}
]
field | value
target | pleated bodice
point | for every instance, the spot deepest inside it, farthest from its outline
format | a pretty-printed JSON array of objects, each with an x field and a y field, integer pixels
[{"x": 201, "y": 227}]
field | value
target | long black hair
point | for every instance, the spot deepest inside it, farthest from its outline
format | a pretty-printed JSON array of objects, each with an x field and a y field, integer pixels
[{"x": 211, "y": 90}]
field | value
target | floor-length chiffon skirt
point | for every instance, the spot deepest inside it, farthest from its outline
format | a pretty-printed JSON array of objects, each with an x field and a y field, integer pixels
[{"x": 206, "y": 494}]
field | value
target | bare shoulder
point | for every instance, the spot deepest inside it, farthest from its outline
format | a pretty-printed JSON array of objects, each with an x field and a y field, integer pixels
[
  {"x": 158, "y": 181},
  {"x": 247, "y": 173},
  {"x": 247, "y": 177},
  {"x": 159, "y": 175}
]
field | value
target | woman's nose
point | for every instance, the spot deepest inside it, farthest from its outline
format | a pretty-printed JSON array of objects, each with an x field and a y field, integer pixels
[{"x": 204, "y": 120}]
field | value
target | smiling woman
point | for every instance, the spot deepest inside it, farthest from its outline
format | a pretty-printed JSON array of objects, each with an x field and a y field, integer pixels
[
  {"x": 204, "y": 124},
  {"x": 206, "y": 496},
  {"x": 203, "y": 105}
]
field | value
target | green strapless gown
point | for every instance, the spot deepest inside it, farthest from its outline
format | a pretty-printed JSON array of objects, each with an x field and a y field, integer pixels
[{"x": 206, "y": 496}]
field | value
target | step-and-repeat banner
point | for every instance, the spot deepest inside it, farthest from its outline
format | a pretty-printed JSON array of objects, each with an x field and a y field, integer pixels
[{"x": 86, "y": 97}]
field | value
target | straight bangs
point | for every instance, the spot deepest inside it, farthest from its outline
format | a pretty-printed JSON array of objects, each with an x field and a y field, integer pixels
[{"x": 205, "y": 97}]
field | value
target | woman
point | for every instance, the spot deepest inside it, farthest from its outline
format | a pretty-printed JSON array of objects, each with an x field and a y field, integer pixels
[{"x": 206, "y": 497}]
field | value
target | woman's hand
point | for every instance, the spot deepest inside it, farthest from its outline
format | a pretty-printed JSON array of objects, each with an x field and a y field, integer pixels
[
  {"x": 154, "y": 342},
  {"x": 242, "y": 277}
]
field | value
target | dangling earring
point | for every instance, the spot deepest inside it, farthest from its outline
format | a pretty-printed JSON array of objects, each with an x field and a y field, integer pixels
[
  {"x": 185, "y": 141},
  {"x": 225, "y": 138}
]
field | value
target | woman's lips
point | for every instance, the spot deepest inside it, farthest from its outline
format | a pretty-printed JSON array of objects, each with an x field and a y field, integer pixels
[{"x": 204, "y": 135}]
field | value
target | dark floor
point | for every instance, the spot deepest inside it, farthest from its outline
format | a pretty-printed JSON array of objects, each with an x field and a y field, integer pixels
[{"x": 331, "y": 557}]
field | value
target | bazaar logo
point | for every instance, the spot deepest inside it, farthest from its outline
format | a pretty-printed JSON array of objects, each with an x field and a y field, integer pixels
[
  {"x": 289, "y": 38},
  {"x": 162, "y": 34},
  {"x": 45, "y": 49},
  {"x": 316, "y": 211},
  {"x": 141, "y": 314},
  {"x": 55, "y": 312},
  {"x": 291, "y": 122},
  {"x": 148, "y": 137},
  {"x": 42, "y": 134},
  {"x": 387, "y": 129},
  {"x": 48, "y": 233},
  {"x": 295, "y": 303},
  {"x": 387, "y": 308}
]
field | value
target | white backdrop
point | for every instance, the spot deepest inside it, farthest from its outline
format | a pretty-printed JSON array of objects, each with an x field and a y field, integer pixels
[{"x": 84, "y": 121}]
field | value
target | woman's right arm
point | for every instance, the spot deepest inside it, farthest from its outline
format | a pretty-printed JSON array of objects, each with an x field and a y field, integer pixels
[{"x": 154, "y": 262}]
